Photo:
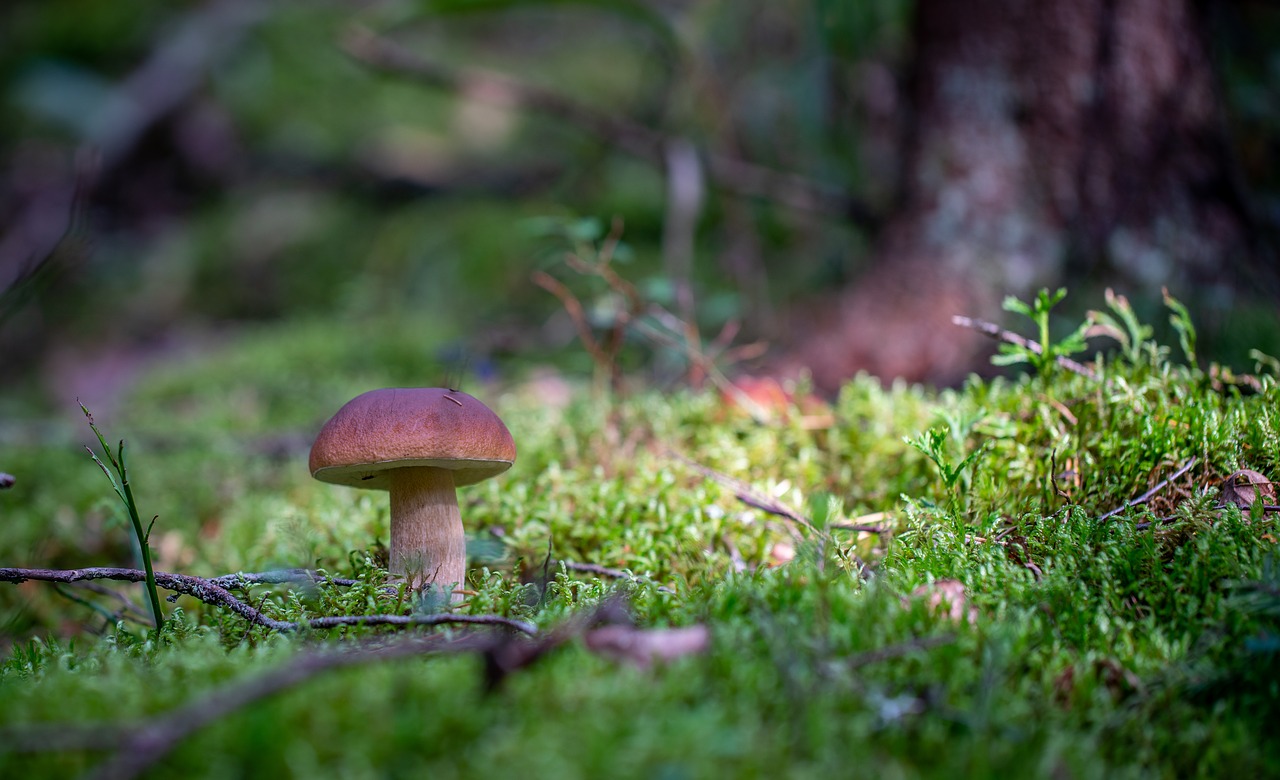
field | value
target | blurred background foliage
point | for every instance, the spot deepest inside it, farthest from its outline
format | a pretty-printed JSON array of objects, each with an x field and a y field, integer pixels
[{"x": 232, "y": 165}]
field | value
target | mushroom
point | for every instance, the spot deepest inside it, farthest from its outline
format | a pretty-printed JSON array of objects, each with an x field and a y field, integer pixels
[{"x": 418, "y": 443}]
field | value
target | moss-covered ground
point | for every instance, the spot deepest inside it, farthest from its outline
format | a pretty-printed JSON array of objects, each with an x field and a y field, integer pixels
[{"x": 1143, "y": 644}]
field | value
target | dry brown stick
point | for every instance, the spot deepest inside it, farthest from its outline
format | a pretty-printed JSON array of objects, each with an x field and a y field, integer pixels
[
  {"x": 1000, "y": 334},
  {"x": 139, "y": 747},
  {"x": 1168, "y": 520},
  {"x": 279, "y": 576},
  {"x": 745, "y": 178},
  {"x": 209, "y": 593},
  {"x": 861, "y": 528},
  {"x": 1142, "y": 499},
  {"x": 744, "y": 493},
  {"x": 418, "y": 620}
]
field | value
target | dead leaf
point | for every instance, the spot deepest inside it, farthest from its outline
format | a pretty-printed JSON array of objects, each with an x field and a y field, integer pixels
[
  {"x": 1244, "y": 487},
  {"x": 641, "y": 647}
]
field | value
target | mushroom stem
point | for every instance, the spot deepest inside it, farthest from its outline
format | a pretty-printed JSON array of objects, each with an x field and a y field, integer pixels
[{"x": 427, "y": 541}]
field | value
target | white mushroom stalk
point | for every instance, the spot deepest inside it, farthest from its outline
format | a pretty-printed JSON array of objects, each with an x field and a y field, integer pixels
[
  {"x": 419, "y": 444},
  {"x": 428, "y": 544}
]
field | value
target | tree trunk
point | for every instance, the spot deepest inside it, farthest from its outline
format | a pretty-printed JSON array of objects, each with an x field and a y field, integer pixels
[{"x": 1080, "y": 136}]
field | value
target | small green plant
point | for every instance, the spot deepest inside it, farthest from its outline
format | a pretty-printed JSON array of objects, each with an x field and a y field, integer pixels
[
  {"x": 1125, "y": 327},
  {"x": 933, "y": 443},
  {"x": 1044, "y": 355},
  {"x": 120, "y": 481},
  {"x": 1180, "y": 319}
]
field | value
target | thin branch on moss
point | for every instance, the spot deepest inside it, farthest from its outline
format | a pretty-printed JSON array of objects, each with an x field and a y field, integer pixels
[
  {"x": 279, "y": 576},
  {"x": 860, "y": 528},
  {"x": 137, "y": 748},
  {"x": 215, "y": 595},
  {"x": 1000, "y": 334},
  {"x": 744, "y": 493},
  {"x": 1145, "y": 497},
  {"x": 418, "y": 620}
]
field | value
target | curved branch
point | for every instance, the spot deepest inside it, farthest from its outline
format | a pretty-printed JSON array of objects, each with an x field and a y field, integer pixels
[
  {"x": 210, "y": 593},
  {"x": 279, "y": 576}
]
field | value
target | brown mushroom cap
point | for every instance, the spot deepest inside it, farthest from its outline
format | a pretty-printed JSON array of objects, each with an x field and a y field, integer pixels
[{"x": 409, "y": 427}]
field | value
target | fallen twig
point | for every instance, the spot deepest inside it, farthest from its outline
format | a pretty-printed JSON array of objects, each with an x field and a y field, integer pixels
[
  {"x": 1168, "y": 520},
  {"x": 1000, "y": 334},
  {"x": 751, "y": 498},
  {"x": 210, "y": 593},
  {"x": 240, "y": 579},
  {"x": 744, "y": 493},
  {"x": 860, "y": 528},
  {"x": 139, "y": 746},
  {"x": 1142, "y": 499}
]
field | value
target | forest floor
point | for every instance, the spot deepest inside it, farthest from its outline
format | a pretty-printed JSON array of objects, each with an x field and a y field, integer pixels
[{"x": 1062, "y": 573}]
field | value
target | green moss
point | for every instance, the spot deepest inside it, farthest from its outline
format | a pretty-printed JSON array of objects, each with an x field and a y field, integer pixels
[{"x": 1096, "y": 648}]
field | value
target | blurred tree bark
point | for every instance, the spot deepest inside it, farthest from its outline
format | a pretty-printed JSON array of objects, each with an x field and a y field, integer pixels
[{"x": 1047, "y": 139}]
